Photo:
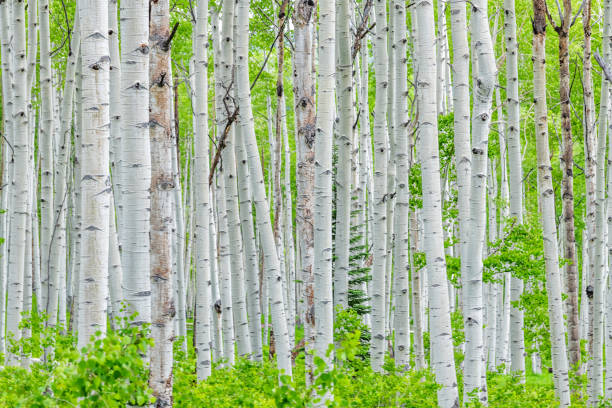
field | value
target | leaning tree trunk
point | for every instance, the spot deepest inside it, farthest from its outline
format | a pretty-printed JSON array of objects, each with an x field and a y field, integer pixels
[
  {"x": 442, "y": 361},
  {"x": 95, "y": 179},
  {"x": 162, "y": 195},
  {"x": 135, "y": 171},
  {"x": 304, "y": 106},
  {"x": 547, "y": 199},
  {"x": 246, "y": 122},
  {"x": 377, "y": 344},
  {"x": 473, "y": 305},
  {"x": 513, "y": 128}
]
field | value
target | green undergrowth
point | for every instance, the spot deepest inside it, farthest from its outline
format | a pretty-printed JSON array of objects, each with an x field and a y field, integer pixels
[{"x": 110, "y": 373}]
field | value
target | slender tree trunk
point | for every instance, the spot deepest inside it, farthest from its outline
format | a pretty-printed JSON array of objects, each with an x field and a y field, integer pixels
[
  {"x": 93, "y": 286},
  {"x": 442, "y": 360},
  {"x": 271, "y": 261},
  {"x": 513, "y": 128},
  {"x": 553, "y": 281},
  {"x": 324, "y": 323},
  {"x": 251, "y": 254},
  {"x": 377, "y": 344},
  {"x": 473, "y": 305},
  {"x": 304, "y": 106},
  {"x": 590, "y": 145},
  {"x": 46, "y": 138},
  {"x": 19, "y": 179},
  {"x": 162, "y": 215},
  {"x": 202, "y": 233},
  {"x": 401, "y": 285},
  {"x": 135, "y": 173},
  {"x": 344, "y": 131}
]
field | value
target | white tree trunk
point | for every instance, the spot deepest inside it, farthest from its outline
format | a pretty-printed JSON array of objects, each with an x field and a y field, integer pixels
[
  {"x": 401, "y": 292},
  {"x": 379, "y": 233},
  {"x": 251, "y": 255},
  {"x": 547, "y": 199},
  {"x": 513, "y": 128},
  {"x": 345, "y": 146},
  {"x": 202, "y": 233},
  {"x": 95, "y": 180},
  {"x": 46, "y": 137},
  {"x": 324, "y": 322},
  {"x": 473, "y": 305},
  {"x": 20, "y": 179},
  {"x": 443, "y": 363},
  {"x": 271, "y": 261},
  {"x": 135, "y": 171}
]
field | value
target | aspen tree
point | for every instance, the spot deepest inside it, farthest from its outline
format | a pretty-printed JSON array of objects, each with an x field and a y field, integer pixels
[
  {"x": 513, "y": 128},
  {"x": 304, "y": 107},
  {"x": 401, "y": 285},
  {"x": 93, "y": 286},
  {"x": 162, "y": 189},
  {"x": 472, "y": 286},
  {"x": 324, "y": 322},
  {"x": 20, "y": 188},
  {"x": 553, "y": 281},
  {"x": 271, "y": 261},
  {"x": 379, "y": 227},
  {"x": 135, "y": 171},
  {"x": 250, "y": 251},
  {"x": 45, "y": 139},
  {"x": 344, "y": 69},
  {"x": 201, "y": 204},
  {"x": 442, "y": 361}
]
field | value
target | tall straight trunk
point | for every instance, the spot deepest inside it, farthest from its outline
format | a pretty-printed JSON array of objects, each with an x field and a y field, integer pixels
[
  {"x": 115, "y": 114},
  {"x": 215, "y": 296},
  {"x": 251, "y": 256},
  {"x": 135, "y": 158},
  {"x": 271, "y": 261},
  {"x": 401, "y": 292},
  {"x": 323, "y": 183},
  {"x": 225, "y": 279},
  {"x": 241, "y": 326},
  {"x": 288, "y": 232},
  {"x": 473, "y": 305},
  {"x": 513, "y": 128},
  {"x": 95, "y": 195},
  {"x": 58, "y": 240},
  {"x": 442, "y": 360},
  {"x": 390, "y": 175},
  {"x": 604, "y": 118},
  {"x": 589, "y": 174},
  {"x": 493, "y": 288},
  {"x": 46, "y": 138},
  {"x": 379, "y": 233},
  {"x": 461, "y": 118},
  {"x": 441, "y": 54},
  {"x": 20, "y": 178},
  {"x": 547, "y": 199},
  {"x": 598, "y": 273},
  {"x": 115, "y": 271},
  {"x": 345, "y": 147},
  {"x": 304, "y": 107},
  {"x": 567, "y": 190},
  {"x": 162, "y": 195},
  {"x": 201, "y": 205},
  {"x": 7, "y": 160}
]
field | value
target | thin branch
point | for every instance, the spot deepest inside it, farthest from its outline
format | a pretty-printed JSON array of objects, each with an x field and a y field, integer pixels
[{"x": 604, "y": 67}]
